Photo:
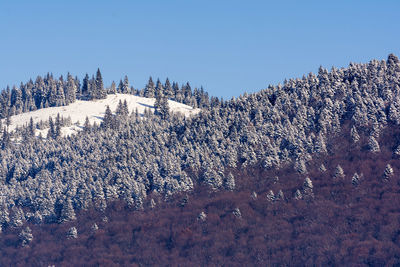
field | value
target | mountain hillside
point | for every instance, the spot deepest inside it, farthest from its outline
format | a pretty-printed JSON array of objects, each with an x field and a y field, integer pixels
[
  {"x": 300, "y": 173},
  {"x": 272, "y": 218}
]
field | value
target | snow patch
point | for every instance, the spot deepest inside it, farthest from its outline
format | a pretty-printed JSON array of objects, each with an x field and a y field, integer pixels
[{"x": 94, "y": 110}]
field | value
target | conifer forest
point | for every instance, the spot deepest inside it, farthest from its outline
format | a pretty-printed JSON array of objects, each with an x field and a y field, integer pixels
[{"x": 303, "y": 173}]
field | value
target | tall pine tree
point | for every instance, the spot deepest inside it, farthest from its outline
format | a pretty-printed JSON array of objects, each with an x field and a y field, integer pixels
[
  {"x": 100, "y": 93},
  {"x": 85, "y": 86},
  {"x": 149, "y": 89},
  {"x": 161, "y": 105}
]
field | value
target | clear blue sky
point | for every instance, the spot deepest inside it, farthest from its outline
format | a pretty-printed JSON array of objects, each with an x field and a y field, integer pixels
[{"x": 229, "y": 47}]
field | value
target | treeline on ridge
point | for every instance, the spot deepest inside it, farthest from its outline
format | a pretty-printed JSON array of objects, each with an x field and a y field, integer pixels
[{"x": 52, "y": 92}]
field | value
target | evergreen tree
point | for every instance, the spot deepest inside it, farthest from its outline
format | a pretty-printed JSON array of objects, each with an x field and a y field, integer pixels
[
  {"x": 159, "y": 89},
  {"x": 72, "y": 233},
  {"x": 78, "y": 86},
  {"x": 52, "y": 94},
  {"x": 354, "y": 134},
  {"x": 355, "y": 180},
  {"x": 113, "y": 89},
  {"x": 120, "y": 87},
  {"x": 270, "y": 196},
  {"x": 149, "y": 90},
  {"x": 388, "y": 172},
  {"x": 320, "y": 146},
  {"x": 86, "y": 125},
  {"x": 5, "y": 140},
  {"x": 8, "y": 119},
  {"x": 70, "y": 90},
  {"x": 51, "y": 133},
  {"x": 373, "y": 145},
  {"x": 94, "y": 228},
  {"x": 212, "y": 178},
  {"x": 280, "y": 195},
  {"x": 16, "y": 100},
  {"x": 168, "y": 91},
  {"x": 230, "y": 182},
  {"x": 187, "y": 91},
  {"x": 17, "y": 217},
  {"x": 322, "y": 168},
  {"x": 202, "y": 216},
  {"x": 152, "y": 204},
  {"x": 119, "y": 111},
  {"x": 236, "y": 212},
  {"x": 4, "y": 216},
  {"x": 85, "y": 85},
  {"x": 308, "y": 187},
  {"x": 100, "y": 93},
  {"x": 125, "y": 108},
  {"x": 67, "y": 212},
  {"x": 339, "y": 173},
  {"x": 57, "y": 131},
  {"x": 161, "y": 106},
  {"x": 177, "y": 93},
  {"x": 298, "y": 195},
  {"x": 31, "y": 128},
  {"x": 308, "y": 184},
  {"x": 60, "y": 97},
  {"x": 108, "y": 120},
  {"x": 397, "y": 151},
  {"x": 92, "y": 89},
  {"x": 300, "y": 166},
  {"x": 26, "y": 236},
  {"x": 125, "y": 86}
]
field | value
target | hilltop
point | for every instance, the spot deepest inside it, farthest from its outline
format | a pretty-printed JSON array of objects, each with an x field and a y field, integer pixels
[{"x": 77, "y": 112}]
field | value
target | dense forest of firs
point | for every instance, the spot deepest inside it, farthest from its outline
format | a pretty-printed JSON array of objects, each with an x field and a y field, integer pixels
[{"x": 304, "y": 173}]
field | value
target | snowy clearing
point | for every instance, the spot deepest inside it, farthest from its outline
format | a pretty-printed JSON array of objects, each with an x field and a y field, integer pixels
[{"x": 94, "y": 110}]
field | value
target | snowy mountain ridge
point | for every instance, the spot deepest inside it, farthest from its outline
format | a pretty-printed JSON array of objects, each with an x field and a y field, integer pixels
[{"x": 94, "y": 110}]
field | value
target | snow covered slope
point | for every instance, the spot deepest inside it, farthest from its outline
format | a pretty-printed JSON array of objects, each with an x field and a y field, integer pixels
[{"x": 94, "y": 110}]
